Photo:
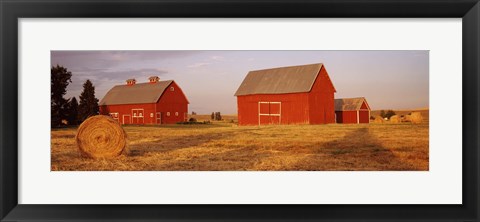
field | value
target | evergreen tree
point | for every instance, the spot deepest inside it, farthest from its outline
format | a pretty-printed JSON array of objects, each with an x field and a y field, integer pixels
[
  {"x": 390, "y": 113},
  {"x": 88, "y": 103},
  {"x": 382, "y": 113},
  {"x": 73, "y": 112},
  {"x": 60, "y": 77}
]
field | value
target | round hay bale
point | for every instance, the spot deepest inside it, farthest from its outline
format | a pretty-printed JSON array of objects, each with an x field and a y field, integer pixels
[
  {"x": 416, "y": 117},
  {"x": 395, "y": 119},
  {"x": 378, "y": 119},
  {"x": 101, "y": 137}
]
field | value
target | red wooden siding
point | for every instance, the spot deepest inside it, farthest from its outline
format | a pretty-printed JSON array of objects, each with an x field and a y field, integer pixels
[
  {"x": 346, "y": 116},
  {"x": 321, "y": 100},
  {"x": 364, "y": 116},
  {"x": 173, "y": 103},
  {"x": 294, "y": 108},
  {"x": 364, "y": 106}
]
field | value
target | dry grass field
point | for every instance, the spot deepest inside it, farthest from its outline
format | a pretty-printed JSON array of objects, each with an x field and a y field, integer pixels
[{"x": 225, "y": 146}]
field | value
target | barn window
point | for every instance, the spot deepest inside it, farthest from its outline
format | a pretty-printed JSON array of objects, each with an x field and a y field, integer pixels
[
  {"x": 172, "y": 89},
  {"x": 151, "y": 114},
  {"x": 140, "y": 114},
  {"x": 176, "y": 113},
  {"x": 168, "y": 113},
  {"x": 134, "y": 114}
]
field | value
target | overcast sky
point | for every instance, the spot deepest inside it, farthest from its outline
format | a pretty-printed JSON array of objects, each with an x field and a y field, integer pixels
[{"x": 388, "y": 79}]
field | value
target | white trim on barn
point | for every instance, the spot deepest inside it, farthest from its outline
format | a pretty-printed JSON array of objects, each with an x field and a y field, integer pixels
[
  {"x": 270, "y": 114},
  {"x": 158, "y": 118},
  {"x": 123, "y": 119},
  {"x": 140, "y": 115},
  {"x": 114, "y": 116},
  {"x": 358, "y": 116}
]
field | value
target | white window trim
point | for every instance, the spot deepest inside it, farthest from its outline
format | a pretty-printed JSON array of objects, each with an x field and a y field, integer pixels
[
  {"x": 138, "y": 117},
  {"x": 114, "y": 115}
]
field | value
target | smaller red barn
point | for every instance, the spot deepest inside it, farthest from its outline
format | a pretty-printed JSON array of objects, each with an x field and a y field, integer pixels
[{"x": 352, "y": 110}]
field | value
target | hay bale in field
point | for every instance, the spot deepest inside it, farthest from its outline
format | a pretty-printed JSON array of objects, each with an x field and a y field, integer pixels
[
  {"x": 378, "y": 119},
  {"x": 101, "y": 137},
  {"x": 415, "y": 117},
  {"x": 395, "y": 119}
]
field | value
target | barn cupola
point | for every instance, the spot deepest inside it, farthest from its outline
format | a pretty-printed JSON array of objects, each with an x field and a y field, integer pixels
[
  {"x": 154, "y": 79},
  {"x": 131, "y": 82}
]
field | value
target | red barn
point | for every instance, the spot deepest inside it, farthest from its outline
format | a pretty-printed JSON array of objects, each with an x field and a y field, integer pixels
[
  {"x": 352, "y": 110},
  {"x": 154, "y": 102},
  {"x": 286, "y": 95}
]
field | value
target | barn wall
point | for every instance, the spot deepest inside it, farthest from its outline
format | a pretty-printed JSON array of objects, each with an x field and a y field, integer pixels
[
  {"x": 364, "y": 106},
  {"x": 321, "y": 100},
  {"x": 364, "y": 116},
  {"x": 173, "y": 102},
  {"x": 346, "y": 116},
  {"x": 294, "y": 108},
  {"x": 126, "y": 109}
]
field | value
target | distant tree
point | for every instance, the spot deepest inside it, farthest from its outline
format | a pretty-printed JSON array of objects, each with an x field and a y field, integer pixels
[
  {"x": 382, "y": 113},
  {"x": 60, "y": 77},
  {"x": 88, "y": 103},
  {"x": 389, "y": 114},
  {"x": 213, "y": 116},
  {"x": 72, "y": 114},
  {"x": 218, "y": 116},
  {"x": 194, "y": 113}
]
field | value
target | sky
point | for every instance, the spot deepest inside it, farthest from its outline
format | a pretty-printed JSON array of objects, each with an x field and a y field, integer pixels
[{"x": 387, "y": 79}]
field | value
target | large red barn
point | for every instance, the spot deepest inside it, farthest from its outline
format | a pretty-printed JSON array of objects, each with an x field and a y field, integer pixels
[
  {"x": 153, "y": 102},
  {"x": 287, "y": 95},
  {"x": 352, "y": 110}
]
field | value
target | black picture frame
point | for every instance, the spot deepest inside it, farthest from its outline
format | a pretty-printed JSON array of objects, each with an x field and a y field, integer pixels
[{"x": 11, "y": 11}]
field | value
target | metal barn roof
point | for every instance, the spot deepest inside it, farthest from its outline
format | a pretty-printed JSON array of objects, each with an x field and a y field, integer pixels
[
  {"x": 135, "y": 94},
  {"x": 349, "y": 104},
  {"x": 292, "y": 79}
]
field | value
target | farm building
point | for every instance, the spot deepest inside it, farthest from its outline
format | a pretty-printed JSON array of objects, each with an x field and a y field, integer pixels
[
  {"x": 352, "y": 110},
  {"x": 153, "y": 102},
  {"x": 287, "y": 95}
]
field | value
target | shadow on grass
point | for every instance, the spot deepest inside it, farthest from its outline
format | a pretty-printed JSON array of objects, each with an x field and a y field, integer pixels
[{"x": 357, "y": 150}]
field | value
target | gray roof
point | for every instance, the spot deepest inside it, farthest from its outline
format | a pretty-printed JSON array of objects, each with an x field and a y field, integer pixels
[
  {"x": 135, "y": 94},
  {"x": 292, "y": 79},
  {"x": 349, "y": 104}
]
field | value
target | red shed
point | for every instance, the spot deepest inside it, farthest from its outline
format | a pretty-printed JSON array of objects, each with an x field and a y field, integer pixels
[
  {"x": 352, "y": 110},
  {"x": 287, "y": 95},
  {"x": 154, "y": 102}
]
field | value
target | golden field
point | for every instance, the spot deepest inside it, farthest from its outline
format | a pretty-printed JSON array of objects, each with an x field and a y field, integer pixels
[{"x": 225, "y": 146}]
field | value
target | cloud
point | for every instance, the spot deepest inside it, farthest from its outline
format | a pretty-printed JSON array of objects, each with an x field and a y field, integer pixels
[
  {"x": 217, "y": 58},
  {"x": 209, "y": 61},
  {"x": 199, "y": 64},
  {"x": 110, "y": 59}
]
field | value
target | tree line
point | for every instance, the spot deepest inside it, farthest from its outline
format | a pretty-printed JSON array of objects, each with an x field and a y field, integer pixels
[{"x": 70, "y": 111}]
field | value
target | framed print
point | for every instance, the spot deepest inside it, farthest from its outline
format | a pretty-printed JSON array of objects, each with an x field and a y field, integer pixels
[{"x": 224, "y": 110}]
